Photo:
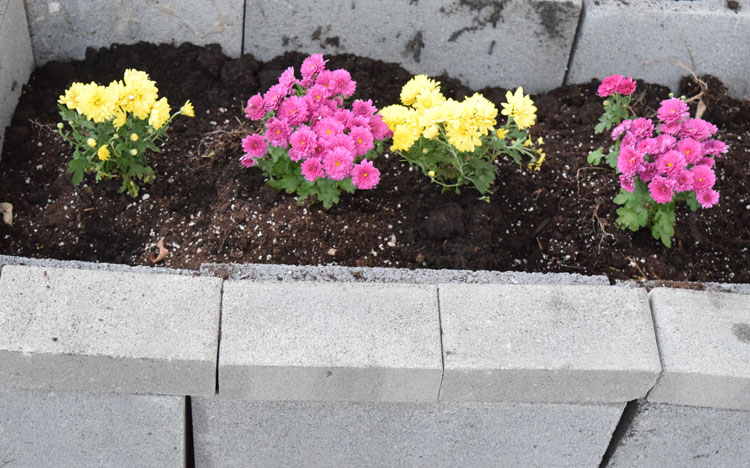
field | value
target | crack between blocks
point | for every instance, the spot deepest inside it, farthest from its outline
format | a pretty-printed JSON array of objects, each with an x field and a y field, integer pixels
[
  {"x": 189, "y": 440},
  {"x": 574, "y": 46},
  {"x": 218, "y": 337},
  {"x": 442, "y": 350},
  {"x": 244, "y": 24},
  {"x": 628, "y": 415}
]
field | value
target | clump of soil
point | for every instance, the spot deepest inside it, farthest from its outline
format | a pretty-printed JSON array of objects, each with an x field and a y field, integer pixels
[{"x": 206, "y": 207}]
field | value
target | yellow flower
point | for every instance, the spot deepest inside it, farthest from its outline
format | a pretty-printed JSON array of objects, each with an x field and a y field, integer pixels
[
  {"x": 538, "y": 164},
  {"x": 103, "y": 153},
  {"x": 71, "y": 96},
  {"x": 116, "y": 94},
  {"x": 540, "y": 141},
  {"x": 188, "y": 109},
  {"x": 94, "y": 103},
  {"x": 394, "y": 115},
  {"x": 120, "y": 118},
  {"x": 428, "y": 98},
  {"x": 521, "y": 108},
  {"x": 415, "y": 86},
  {"x": 133, "y": 137},
  {"x": 140, "y": 93},
  {"x": 405, "y": 134},
  {"x": 134, "y": 151},
  {"x": 482, "y": 113},
  {"x": 502, "y": 133},
  {"x": 91, "y": 142},
  {"x": 430, "y": 132},
  {"x": 159, "y": 113},
  {"x": 528, "y": 142}
]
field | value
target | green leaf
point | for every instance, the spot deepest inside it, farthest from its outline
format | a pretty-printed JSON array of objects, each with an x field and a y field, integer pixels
[
  {"x": 632, "y": 218},
  {"x": 692, "y": 202},
  {"x": 600, "y": 127},
  {"x": 77, "y": 167},
  {"x": 595, "y": 157},
  {"x": 663, "y": 227}
]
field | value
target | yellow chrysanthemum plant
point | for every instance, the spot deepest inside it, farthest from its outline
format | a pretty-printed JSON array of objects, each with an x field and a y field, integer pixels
[
  {"x": 456, "y": 143},
  {"x": 111, "y": 128}
]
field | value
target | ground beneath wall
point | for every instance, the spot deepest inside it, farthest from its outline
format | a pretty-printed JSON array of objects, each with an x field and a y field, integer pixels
[{"x": 206, "y": 207}]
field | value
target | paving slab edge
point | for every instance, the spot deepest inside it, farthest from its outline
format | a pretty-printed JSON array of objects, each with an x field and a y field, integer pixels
[{"x": 381, "y": 276}]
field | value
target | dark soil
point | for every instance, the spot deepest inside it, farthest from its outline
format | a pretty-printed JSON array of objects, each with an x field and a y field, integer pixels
[{"x": 208, "y": 208}]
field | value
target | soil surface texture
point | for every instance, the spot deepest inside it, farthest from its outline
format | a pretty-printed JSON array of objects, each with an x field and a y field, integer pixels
[{"x": 206, "y": 207}]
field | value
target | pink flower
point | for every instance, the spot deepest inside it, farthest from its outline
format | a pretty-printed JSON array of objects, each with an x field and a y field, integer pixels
[
  {"x": 673, "y": 110},
  {"x": 254, "y": 145},
  {"x": 287, "y": 80},
  {"x": 661, "y": 189},
  {"x": 303, "y": 143},
  {"x": 294, "y": 110},
  {"x": 609, "y": 85},
  {"x": 706, "y": 161},
  {"x": 312, "y": 169},
  {"x": 622, "y": 128},
  {"x": 664, "y": 143},
  {"x": 707, "y": 198},
  {"x": 626, "y": 87},
  {"x": 690, "y": 149},
  {"x": 312, "y": 65},
  {"x": 277, "y": 131},
  {"x": 328, "y": 127},
  {"x": 683, "y": 181},
  {"x": 248, "y": 160},
  {"x": 642, "y": 128},
  {"x": 339, "y": 140},
  {"x": 378, "y": 128},
  {"x": 344, "y": 116},
  {"x": 327, "y": 80},
  {"x": 715, "y": 147},
  {"x": 647, "y": 172},
  {"x": 365, "y": 176},
  {"x": 627, "y": 183},
  {"x": 273, "y": 97},
  {"x": 315, "y": 96},
  {"x": 697, "y": 128},
  {"x": 671, "y": 128},
  {"x": 362, "y": 138},
  {"x": 359, "y": 121},
  {"x": 703, "y": 177},
  {"x": 670, "y": 163},
  {"x": 343, "y": 83},
  {"x": 338, "y": 163},
  {"x": 364, "y": 108},
  {"x": 646, "y": 146},
  {"x": 254, "y": 109},
  {"x": 629, "y": 161}
]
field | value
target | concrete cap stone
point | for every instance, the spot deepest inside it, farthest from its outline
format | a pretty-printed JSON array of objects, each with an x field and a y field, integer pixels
[
  {"x": 108, "y": 331},
  {"x": 704, "y": 343},
  {"x": 546, "y": 343},
  {"x": 329, "y": 342}
]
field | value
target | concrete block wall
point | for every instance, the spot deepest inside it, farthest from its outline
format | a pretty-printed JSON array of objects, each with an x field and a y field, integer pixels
[
  {"x": 16, "y": 59},
  {"x": 314, "y": 373}
]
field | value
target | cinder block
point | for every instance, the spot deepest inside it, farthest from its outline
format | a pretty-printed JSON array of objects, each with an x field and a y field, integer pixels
[
  {"x": 329, "y": 342},
  {"x": 704, "y": 342},
  {"x": 649, "y": 39},
  {"x": 63, "y": 29},
  {"x": 16, "y": 60},
  {"x": 685, "y": 437},
  {"x": 108, "y": 331},
  {"x": 483, "y": 43},
  {"x": 576, "y": 344},
  {"x": 45, "y": 429},
  {"x": 435, "y": 435}
]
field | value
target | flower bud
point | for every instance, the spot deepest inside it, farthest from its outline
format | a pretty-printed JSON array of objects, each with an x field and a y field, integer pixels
[
  {"x": 431, "y": 173},
  {"x": 60, "y": 126},
  {"x": 134, "y": 151},
  {"x": 91, "y": 142},
  {"x": 133, "y": 137}
]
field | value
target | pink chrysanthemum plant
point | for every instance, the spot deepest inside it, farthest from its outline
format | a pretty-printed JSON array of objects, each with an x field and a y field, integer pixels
[
  {"x": 308, "y": 142},
  {"x": 661, "y": 165}
]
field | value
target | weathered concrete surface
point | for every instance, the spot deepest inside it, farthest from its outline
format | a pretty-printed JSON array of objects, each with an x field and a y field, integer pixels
[
  {"x": 45, "y": 429},
  {"x": 505, "y": 43},
  {"x": 318, "y": 434},
  {"x": 546, "y": 343},
  {"x": 108, "y": 332},
  {"x": 63, "y": 29},
  {"x": 329, "y": 342},
  {"x": 649, "y": 38},
  {"x": 704, "y": 343},
  {"x": 16, "y": 60},
  {"x": 685, "y": 437},
  {"x": 335, "y": 273}
]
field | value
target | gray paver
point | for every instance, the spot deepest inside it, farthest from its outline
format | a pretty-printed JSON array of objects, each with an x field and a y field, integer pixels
[
  {"x": 685, "y": 437},
  {"x": 482, "y": 43},
  {"x": 301, "y": 341},
  {"x": 324, "y": 434},
  {"x": 704, "y": 343},
  {"x": 546, "y": 343},
  {"x": 45, "y": 429},
  {"x": 648, "y": 38},
  {"x": 108, "y": 332},
  {"x": 63, "y": 29},
  {"x": 16, "y": 60}
]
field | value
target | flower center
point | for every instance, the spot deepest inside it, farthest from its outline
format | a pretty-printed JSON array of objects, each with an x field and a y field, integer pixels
[
  {"x": 338, "y": 163},
  {"x": 328, "y": 132},
  {"x": 687, "y": 152},
  {"x": 364, "y": 175},
  {"x": 359, "y": 141}
]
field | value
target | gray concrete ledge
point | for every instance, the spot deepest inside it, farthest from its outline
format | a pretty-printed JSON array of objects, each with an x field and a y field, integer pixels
[
  {"x": 108, "y": 331},
  {"x": 546, "y": 343},
  {"x": 704, "y": 343}
]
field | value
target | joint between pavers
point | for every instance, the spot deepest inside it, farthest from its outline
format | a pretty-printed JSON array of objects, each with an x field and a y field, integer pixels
[
  {"x": 442, "y": 349},
  {"x": 218, "y": 335}
]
